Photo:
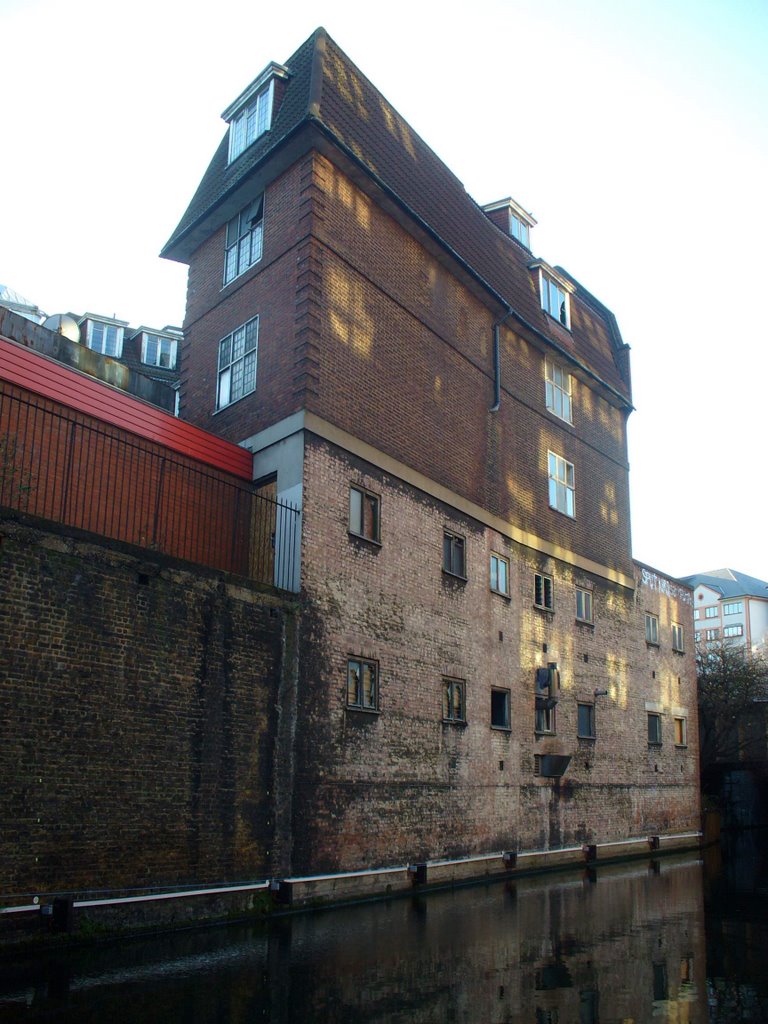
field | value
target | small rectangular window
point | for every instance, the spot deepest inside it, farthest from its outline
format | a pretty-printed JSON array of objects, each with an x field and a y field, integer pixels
[
  {"x": 586, "y": 721},
  {"x": 713, "y": 612},
  {"x": 652, "y": 629},
  {"x": 543, "y": 591},
  {"x": 362, "y": 684},
  {"x": 654, "y": 729},
  {"x": 584, "y": 605},
  {"x": 364, "y": 514},
  {"x": 695, "y": 613},
  {"x": 711, "y": 634},
  {"x": 730, "y": 631},
  {"x": 453, "y": 554},
  {"x": 561, "y": 485},
  {"x": 677, "y": 637},
  {"x": 733, "y": 608},
  {"x": 454, "y": 706},
  {"x": 499, "y": 708},
  {"x": 681, "y": 732},
  {"x": 500, "y": 575},
  {"x": 557, "y": 391}
]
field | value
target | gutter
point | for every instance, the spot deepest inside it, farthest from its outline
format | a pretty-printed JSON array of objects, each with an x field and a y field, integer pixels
[{"x": 497, "y": 360}]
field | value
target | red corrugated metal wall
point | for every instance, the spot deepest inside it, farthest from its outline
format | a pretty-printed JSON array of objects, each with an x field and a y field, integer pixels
[{"x": 44, "y": 376}]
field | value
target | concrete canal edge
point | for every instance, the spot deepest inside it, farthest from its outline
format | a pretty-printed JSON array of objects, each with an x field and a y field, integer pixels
[{"x": 67, "y": 919}]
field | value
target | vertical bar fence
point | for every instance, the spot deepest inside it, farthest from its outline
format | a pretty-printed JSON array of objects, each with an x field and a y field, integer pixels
[{"x": 63, "y": 466}]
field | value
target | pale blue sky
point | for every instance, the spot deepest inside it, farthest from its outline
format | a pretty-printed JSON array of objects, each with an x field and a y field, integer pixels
[{"x": 635, "y": 132}]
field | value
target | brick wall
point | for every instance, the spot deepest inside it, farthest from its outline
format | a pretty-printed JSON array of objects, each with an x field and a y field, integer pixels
[
  {"x": 270, "y": 289},
  {"x": 402, "y": 784},
  {"x": 361, "y": 325},
  {"x": 139, "y": 715},
  {"x": 406, "y": 364}
]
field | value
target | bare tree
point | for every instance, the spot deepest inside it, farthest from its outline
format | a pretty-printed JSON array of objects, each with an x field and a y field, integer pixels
[{"x": 733, "y": 704}]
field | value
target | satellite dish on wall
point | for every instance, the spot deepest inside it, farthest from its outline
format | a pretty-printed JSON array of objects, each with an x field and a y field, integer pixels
[{"x": 64, "y": 325}]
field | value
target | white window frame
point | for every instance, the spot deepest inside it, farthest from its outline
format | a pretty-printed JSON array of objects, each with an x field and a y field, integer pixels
[
  {"x": 102, "y": 344},
  {"x": 652, "y": 629},
  {"x": 558, "y": 390},
  {"x": 678, "y": 638},
  {"x": 244, "y": 240},
  {"x": 162, "y": 342},
  {"x": 238, "y": 354},
  {"x": 499, "y": 567},
  {"x": 520, "y": 230},
  {"x": 250, "y": 123},
  {"x": 562, "y": 484},
  {"x": 555, "y": 299},
  {"x": 584, "y": 608}
]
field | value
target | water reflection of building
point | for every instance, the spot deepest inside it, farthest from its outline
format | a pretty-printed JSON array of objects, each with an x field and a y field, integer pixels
[
  {"x": 451, "y": 413},
  {"x": 627, "y": 945}
]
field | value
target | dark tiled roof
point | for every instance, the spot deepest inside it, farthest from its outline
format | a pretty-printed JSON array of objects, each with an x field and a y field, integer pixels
[
  {"x": 325, "y": 88},
  {"x": 729, "y": 583},
  {"x": 222, "y": 178}
]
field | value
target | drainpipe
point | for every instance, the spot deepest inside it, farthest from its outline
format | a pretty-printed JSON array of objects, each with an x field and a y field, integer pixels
[{"x": 497, "y": 361}]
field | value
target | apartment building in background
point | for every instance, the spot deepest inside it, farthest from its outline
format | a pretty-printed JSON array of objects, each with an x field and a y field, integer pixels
[
  {"x": 730, "y": 606},
  {"x": 149, "y": 352}
]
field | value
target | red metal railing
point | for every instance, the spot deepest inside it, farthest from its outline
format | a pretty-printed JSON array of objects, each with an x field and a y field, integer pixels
[{"x": 67, "y": 467}]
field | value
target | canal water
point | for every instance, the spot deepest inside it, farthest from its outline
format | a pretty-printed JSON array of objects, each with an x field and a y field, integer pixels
[{"x": 681, "y": 939}]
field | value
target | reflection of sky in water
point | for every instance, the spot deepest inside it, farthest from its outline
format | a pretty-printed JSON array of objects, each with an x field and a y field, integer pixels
[{"x": 625, "y": 943}]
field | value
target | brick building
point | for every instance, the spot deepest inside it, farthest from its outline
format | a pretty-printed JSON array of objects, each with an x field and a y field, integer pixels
[{"x": 482, "y": 664}]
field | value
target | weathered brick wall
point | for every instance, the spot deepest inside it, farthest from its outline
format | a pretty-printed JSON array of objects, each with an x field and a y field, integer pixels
[
  {"x": 138, "y": 709},
  {"x": 402, "y": 784}
]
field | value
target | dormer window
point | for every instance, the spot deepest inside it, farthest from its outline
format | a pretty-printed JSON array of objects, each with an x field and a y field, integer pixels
[
  {"x": 104, "y": 336},
  {"x": 158, "y": 351},
  {"x": 251, "y": 122},
  {"x": 519, "y": 230},
  {"x": 511, "y": 218},
  {"x": 554, "y": 292},
  {"x": 251, "y": 113},
  {"x": 554, "y": 300}
]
